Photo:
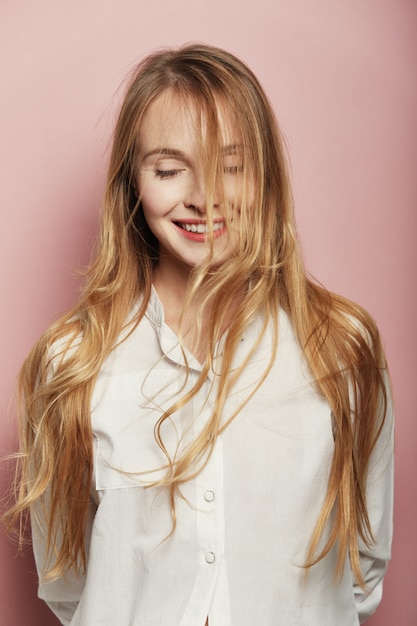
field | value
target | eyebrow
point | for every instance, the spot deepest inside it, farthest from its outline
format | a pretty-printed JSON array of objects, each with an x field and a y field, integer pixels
[
  {"x": 231, "y": 148},
  {"x": 179, "y": 154},
  {"x": 165, "y": 152}
]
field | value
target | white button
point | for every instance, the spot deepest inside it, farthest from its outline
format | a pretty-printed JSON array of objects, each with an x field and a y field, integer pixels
[
  {"x": 209, "y": 495},
  {"x": 210, "y": 557}
]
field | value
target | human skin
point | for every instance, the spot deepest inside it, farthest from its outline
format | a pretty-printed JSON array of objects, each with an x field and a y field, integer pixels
[{"x": 170, "y": 180}]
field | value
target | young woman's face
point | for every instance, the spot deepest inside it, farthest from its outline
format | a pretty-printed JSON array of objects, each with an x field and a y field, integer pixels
[{"x": 172, "y": 188}]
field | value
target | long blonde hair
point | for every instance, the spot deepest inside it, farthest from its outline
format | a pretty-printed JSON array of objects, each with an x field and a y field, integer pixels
[{"x": 340, "y": 341}]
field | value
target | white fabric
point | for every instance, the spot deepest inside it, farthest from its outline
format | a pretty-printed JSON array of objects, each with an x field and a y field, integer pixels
[{"x": 244, "y": 523}]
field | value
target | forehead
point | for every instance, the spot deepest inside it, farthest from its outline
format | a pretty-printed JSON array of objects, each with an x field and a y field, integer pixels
[{"x": 181, "y": 120}]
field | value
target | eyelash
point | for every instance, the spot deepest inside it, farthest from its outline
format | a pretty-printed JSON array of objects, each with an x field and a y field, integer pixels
[
  {"x": 167, "y": 173},
  {"x": 235, "y": 169}
]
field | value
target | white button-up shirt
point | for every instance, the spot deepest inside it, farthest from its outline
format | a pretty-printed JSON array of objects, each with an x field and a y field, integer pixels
[{"x": 243, "y": 523}]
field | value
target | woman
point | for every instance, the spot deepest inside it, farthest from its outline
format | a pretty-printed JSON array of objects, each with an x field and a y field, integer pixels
[{"x": 207, "y": 435}]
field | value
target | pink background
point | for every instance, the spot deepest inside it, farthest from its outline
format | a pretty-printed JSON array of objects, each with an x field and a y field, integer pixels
[{"x": 341, "y": 76}]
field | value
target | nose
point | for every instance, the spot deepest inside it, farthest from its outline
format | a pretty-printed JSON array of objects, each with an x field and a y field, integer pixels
[{"x": 196, "y": 195}]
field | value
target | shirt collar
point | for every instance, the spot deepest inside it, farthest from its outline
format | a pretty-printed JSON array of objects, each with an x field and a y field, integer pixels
[
  {"x": 168, "y": 340},
  {"x": 155, "y": 310}
]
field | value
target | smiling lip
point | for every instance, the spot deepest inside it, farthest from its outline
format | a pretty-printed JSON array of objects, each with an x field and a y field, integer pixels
[{"x": 198, "y": 230}]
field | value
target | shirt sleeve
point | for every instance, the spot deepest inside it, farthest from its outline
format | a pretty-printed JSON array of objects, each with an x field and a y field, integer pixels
[
  {"x": 374, "y": 560},
  {"x": 62, "y": 595}
]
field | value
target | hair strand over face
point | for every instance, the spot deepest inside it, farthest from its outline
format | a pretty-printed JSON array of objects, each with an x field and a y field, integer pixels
[{"x": 340, "y": 342}]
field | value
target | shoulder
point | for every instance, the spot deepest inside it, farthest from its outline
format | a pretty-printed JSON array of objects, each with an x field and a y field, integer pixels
[
  {"x": 341, "y": 321},
  {"x": 53, "y": 351}
]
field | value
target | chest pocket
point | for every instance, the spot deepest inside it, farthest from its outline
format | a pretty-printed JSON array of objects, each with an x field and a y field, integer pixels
[
  {"x": 301, "y": 413},
  {"x": 125, "y": 411}
]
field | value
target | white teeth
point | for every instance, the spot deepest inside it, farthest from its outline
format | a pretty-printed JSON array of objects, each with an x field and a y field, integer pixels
[{"x": 200, "y": 228}]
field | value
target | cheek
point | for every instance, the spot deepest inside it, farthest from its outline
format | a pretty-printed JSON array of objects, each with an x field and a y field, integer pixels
[
  {"x": 153, "y": 203},
  {"x": 160, "y": 197},
  {"x": 239, "y": 198}
]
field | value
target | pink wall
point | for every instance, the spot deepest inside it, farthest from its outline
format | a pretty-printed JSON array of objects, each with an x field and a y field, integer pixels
[{"x": 341, "y": 76}]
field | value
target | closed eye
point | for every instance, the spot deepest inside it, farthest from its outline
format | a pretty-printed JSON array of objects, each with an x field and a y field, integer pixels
[
  {"x": 233, "y": 169},
  {"x": 167, "y": 173}
]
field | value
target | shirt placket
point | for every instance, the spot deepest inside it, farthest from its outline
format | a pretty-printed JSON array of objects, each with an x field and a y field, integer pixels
[
  {"x": 205, "y": 491},
  {"x": 209, "y": 514}
]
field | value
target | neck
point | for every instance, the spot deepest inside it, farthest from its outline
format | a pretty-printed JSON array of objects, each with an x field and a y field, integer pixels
[{"x": 172, "y": 287}]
